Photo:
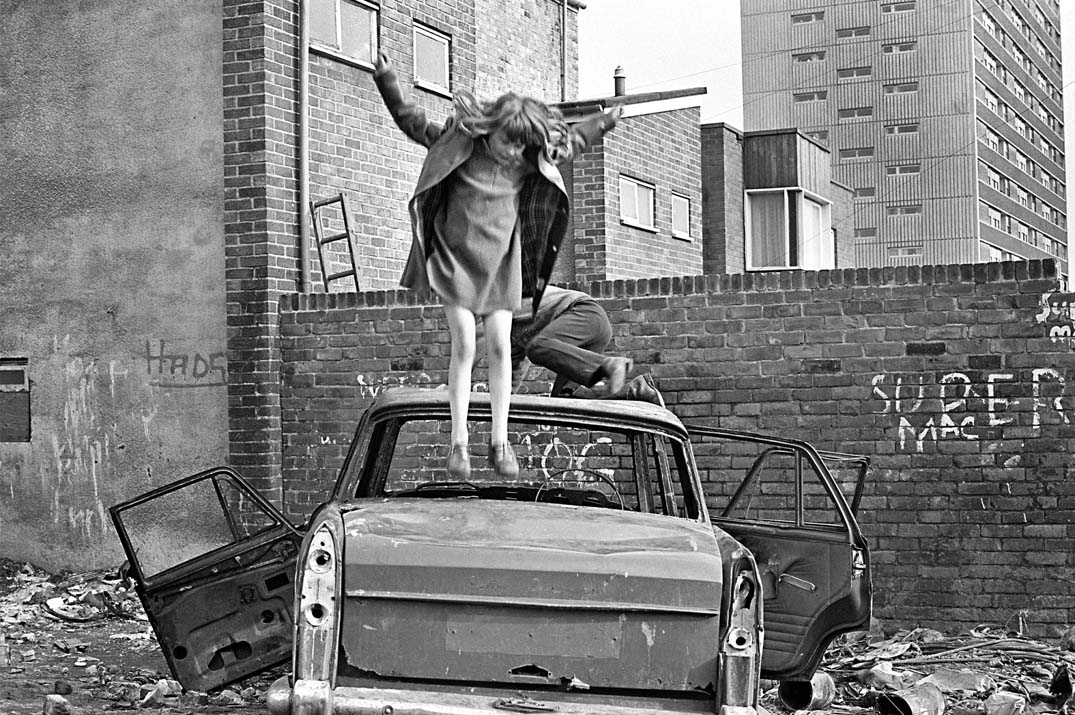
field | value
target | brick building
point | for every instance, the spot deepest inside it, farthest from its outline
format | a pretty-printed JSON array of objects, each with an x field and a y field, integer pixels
[{"x": 155, "y": 224}]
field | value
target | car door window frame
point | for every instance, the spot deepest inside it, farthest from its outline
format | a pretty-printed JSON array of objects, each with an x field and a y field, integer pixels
[{"x": 238, "y": 543}]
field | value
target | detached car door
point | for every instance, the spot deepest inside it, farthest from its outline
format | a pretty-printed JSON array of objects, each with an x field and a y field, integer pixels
[
  {"x": 780, "y": 500},
  {"x": 214, "y": 565}
]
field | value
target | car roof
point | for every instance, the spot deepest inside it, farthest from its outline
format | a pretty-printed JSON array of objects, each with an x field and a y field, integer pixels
[{"x": 401, "y": 401}]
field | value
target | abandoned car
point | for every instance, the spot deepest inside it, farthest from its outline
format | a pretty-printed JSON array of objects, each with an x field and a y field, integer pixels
[{"x": 602, "y": 579}]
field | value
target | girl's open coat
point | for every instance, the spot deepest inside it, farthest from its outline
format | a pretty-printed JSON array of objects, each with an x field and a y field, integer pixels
[{"x": 544, "y": 205}]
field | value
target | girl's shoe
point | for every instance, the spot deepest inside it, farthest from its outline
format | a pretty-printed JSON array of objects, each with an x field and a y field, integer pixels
[
  {"x": 458, "y": 462},
  {"x": 502, "y": 460}
]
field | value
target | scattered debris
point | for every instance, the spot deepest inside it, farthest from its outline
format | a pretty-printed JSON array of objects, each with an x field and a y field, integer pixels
[{"x": 986, "y": 671}]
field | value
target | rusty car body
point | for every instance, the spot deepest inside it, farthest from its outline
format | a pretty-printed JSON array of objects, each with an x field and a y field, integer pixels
[{"x": 602, "y": 580}]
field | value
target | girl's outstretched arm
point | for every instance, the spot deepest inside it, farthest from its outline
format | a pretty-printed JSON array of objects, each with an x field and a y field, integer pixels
[
  {"x": 409, "y": 116},
  {"x": 582, "y": 135}
]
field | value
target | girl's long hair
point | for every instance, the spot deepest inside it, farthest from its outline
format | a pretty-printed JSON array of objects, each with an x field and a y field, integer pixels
[{"x": 522, "y": 119}]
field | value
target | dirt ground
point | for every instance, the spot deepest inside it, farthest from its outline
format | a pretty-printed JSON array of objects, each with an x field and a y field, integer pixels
[{"x": 83, "y": 638}]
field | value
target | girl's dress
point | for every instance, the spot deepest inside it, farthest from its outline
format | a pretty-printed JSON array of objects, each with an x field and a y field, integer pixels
[
  {"x": 467, "y": 269},
  {"x": 475, "y": 258}
]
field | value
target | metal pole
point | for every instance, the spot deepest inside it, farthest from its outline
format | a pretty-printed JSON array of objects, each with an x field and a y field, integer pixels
[{"x": 304, "y": 146}]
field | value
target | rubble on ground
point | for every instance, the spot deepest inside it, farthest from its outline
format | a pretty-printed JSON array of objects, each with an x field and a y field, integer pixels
[
  {"x": 52, "y": 636},
  {"x": 984, "y": 671}
]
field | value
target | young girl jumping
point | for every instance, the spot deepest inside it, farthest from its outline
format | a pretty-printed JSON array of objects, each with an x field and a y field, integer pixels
[{"x": 488, "y": 216}]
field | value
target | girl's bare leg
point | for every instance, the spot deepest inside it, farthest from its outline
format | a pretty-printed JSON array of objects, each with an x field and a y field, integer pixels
[
  {"x": 498, "y": 348},
  {"x": 462, "y": 329}
]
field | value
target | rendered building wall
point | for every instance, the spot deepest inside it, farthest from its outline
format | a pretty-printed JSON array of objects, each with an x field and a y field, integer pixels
[{"x": 112, "y": 283}]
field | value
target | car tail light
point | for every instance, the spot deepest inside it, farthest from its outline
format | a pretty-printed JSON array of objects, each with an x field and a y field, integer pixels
[
  {"x": 317, "y": 601},
  {"x": 741, "y": 648}
]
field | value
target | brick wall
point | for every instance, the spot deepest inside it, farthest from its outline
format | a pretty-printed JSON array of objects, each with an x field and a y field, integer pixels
[
  {"x": 723, "y": 247},
  {"x": 662, "y": 149},
  {"x": 519, "y": 48},
  {"x": 956, "y": 381},
  {"x": 355, "y": 149},
  {"x": 260, "y": 222}
]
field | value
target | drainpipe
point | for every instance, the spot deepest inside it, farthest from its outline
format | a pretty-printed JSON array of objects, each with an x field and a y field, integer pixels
[
  {"x": 563, "y": 50},
  {"x": 304, "y": 146}
]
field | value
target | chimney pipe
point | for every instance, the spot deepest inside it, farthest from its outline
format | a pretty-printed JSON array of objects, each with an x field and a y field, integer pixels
[{"x": 619, "y": 82}]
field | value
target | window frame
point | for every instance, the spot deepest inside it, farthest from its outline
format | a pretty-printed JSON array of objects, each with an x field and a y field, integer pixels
[
  {"x": 635, "y": 221},
  {"x": 682, "y": 198},
  {"x": 432, "y": 33},
  {"x": 844, "y": 33},
  {"x": 817, "y": 95},
  {"x": 337, "y": 52},
  {"x": 803, "y": 260}
]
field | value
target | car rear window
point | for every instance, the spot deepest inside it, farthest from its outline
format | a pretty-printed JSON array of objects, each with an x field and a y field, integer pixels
[{"x": 581, "y": 465}]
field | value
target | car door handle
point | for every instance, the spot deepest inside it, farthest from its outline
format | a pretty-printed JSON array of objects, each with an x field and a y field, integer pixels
[{"x": 796, "y": 582}]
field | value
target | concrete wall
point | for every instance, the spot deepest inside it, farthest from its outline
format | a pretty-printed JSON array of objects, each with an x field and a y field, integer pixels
[
  {"x": 958, "y": 381},
  {"x": 112, "y": 278}
]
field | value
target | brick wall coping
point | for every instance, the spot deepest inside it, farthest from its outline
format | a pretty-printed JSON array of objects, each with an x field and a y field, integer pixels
[{"x": 685, "y": 285}]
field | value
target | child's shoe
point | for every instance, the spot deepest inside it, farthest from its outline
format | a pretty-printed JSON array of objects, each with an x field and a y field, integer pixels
[
  {"x": 458, "y": 462},
  {"x": 502, "y": 460}
]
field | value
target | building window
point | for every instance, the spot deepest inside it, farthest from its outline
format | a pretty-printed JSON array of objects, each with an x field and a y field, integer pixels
[
  {"x": 846, "y": 32},
  {"x": 855, "y": 112},
  {"x": 858, "y": 152},
  {"x": 681, "y": 216},
  {"x": 808, "y": 57},
  {"x": 899, "y": 48},
  {"x": 817, "y": 96},
  {"x": 14, "y": 400},
  {"x": 805, "y": 18},
  {"x": 853, "y": 72},
  {"x": 636, "y": 203},
  {"x": 870, "y": 232},
  {"x": 788, "y": 228},
  {"x": 903, "y": 169},
  {"x": 901, "y": 88},
  {"x": 905, "y": 253},
  {"x": 891, "y": 7},
  {"x": 989, "y": 253},
  {"x": 344, "y": 27},
  {"x": 431, "y": 58},
  {"x": 905, "y": 128},
  {"x": 992, "y": 177},
  {"x": 906, "y": 210},
  {"x": 819, "y": 135},
  {"x": 865, "y": 192}
]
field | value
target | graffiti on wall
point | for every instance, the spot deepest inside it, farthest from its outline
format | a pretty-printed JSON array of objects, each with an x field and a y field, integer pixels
[
  {"x": 172, "y": 368},
  {"x": 957, "y": 407},
  {"x": 1056, "y": 317},
  {"x": 370, "y": 387}
]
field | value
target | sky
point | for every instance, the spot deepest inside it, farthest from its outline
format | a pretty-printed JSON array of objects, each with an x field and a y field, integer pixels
[{"x": 678, "y": 44}]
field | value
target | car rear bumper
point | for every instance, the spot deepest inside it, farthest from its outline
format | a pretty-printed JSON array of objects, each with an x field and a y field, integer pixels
[{"x": 310, "y": 697}]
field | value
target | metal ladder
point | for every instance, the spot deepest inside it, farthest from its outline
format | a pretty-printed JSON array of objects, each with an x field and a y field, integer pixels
[{"x": 323, "y": 240}]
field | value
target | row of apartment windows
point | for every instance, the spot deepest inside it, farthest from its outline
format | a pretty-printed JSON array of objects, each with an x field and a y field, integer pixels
[
  {"x": 638, "y": 207},
  {"x": 999, "y": 107},
  {"x": 991, "y": 63},
  {"x": 1028, "y": 166},
  {"x": 1021, "y": 59},
  {"x": 1013, "y": 190},
  {"x": 821, "y": 95},
  {"x": 887, "y": 8},
  {"x": 348, "y": 29},
  {"x": 1026, "y": 31},
  {"x": 1012, "y": 226}
]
